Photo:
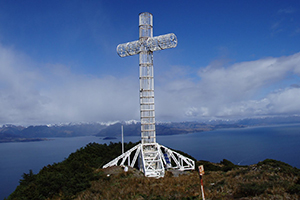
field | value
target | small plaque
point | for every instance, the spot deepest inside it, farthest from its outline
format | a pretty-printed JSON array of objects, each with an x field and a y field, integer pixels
[{"x": 201, "y": 170}]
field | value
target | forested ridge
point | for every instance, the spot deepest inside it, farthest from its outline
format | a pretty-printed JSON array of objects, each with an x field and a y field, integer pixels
[
  {"x": 70, "y": 176},
  {"x": 81, "y": 176}
]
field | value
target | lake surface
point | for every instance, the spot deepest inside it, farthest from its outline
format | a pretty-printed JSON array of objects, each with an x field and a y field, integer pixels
[{"x": 242, "y": 146}]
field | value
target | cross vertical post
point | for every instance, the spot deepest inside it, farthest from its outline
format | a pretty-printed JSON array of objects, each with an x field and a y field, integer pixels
[{"x": 147, "y": 112}]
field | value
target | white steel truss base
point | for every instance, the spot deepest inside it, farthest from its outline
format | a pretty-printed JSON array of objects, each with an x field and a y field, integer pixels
[{"x": 153, "y": 159}]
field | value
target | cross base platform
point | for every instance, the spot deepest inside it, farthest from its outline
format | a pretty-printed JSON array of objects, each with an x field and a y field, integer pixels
[{"x": 153, "y": 159}]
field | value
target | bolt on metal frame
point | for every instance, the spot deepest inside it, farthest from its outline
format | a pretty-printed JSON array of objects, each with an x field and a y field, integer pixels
[{"x": 152, "y": 161}]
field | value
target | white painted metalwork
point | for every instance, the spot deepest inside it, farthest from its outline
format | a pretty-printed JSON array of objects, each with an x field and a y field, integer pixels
[
  {"x": 152, "y": 161},
  {"x": 155, "y": 160}
]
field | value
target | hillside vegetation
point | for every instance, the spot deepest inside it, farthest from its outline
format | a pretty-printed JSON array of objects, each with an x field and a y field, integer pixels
[{"x": 81, "y": 176}]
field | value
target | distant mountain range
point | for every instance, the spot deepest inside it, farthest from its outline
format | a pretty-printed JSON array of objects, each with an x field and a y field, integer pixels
[
  {"x": 19, "y": 133},
  {"x": 11, "y": 133}
]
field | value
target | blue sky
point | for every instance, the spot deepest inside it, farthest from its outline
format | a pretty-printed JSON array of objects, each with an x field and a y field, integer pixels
[{"x": 234, "y": 59}]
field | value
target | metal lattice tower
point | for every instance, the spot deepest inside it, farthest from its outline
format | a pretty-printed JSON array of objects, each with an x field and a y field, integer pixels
[{"x": 153, "y": 158}]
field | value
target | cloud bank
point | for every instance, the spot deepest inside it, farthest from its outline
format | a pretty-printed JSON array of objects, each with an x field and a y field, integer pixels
[
  {"x": 34, "y": 93},
  {"x": 268, "y": 86}
]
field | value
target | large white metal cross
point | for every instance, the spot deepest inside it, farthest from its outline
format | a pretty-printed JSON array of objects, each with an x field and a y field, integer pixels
[
  {"x": 145, "y": 47},
  {"x": 153, "y": 158}
]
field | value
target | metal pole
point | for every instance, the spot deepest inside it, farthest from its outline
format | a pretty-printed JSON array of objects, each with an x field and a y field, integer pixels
[
  {"x": 201, "y": 172},
  {"x": 202, "y": 189},
  {"x": 122, "y": 139}
]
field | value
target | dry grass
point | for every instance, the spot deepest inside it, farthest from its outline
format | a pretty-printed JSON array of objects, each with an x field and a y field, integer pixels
[
  {"x": 133, "y": 185},
  {"x": 251, "y": 182}
]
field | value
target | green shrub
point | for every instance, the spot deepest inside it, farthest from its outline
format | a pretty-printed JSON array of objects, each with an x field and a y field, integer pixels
[
  {"x": 227, "y": 165},
  {"x": 70, "y": 176},
  {"x": 294, "y": 189},
  {"x": 208, "y": 166},
  {"x": 251, "y": 189},
  {"x": 279, "y": 166}
]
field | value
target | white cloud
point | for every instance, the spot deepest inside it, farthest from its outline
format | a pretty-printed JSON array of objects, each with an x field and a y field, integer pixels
[
  {"x": 286, "y": 11},
  {"x": 285, "y": 101},
  {"x": 32, "y": 93},
  {"x": 19, "y": 98},
  {"x": 51, "y": 93},
  {"x": 94, "y": 99},
  {"x": 236, "y": 91}
]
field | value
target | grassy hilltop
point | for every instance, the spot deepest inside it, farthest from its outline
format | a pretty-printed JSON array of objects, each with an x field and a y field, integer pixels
[{"x": 81, "y": 176}]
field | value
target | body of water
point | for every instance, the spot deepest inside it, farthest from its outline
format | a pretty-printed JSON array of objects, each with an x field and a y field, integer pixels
[{"x": 242, "y": 146}]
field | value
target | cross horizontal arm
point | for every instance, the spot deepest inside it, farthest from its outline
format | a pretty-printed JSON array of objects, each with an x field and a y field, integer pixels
[
  {"x": 152, "y": 44},
  {"x": 162, "y": 42},
  {"x": 129, "y": 48}
]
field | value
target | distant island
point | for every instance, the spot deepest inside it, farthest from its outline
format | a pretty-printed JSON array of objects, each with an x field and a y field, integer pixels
[
  {"x": 109, "y": 138},
  {"x": 5, "y": 140}
]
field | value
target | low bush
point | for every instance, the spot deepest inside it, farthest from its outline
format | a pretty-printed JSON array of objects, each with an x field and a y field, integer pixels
[
  {"x": 278, "y": 166},
  {"x": 227, "y": 165},
  {"x": 251, "y": 189},
  {"x": 294, "y": 189},
  {"x": 208, "y": 166}
]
